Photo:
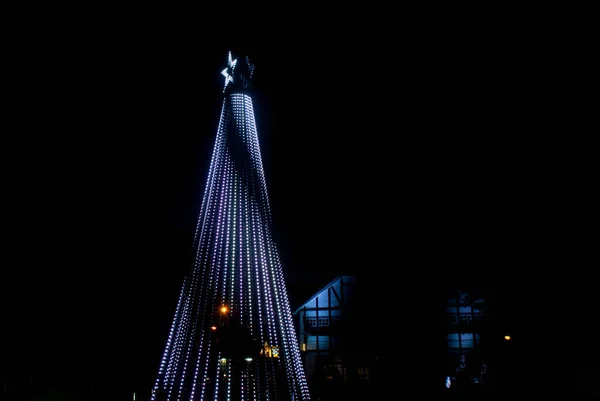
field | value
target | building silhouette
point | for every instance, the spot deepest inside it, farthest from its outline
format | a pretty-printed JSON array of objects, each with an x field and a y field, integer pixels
[
  {"x": 340, "y": 359},
  {"x": 467, "y": 363},
  {"x": 232, "y": 336}
]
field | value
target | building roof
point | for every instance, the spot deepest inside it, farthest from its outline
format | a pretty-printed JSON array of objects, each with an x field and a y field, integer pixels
[{"x": 325, "y": 288}]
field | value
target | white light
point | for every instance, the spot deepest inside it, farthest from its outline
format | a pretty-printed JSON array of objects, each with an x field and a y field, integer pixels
[
  {"x": 228, "y": 72},
  {"x": 238, "y": 262}
]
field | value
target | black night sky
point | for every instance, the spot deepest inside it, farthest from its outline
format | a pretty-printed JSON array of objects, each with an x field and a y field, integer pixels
[{"x": 415, "y": 163}]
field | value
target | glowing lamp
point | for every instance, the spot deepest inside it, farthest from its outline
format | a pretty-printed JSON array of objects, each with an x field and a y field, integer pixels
[{"x": 507, "y": 338}]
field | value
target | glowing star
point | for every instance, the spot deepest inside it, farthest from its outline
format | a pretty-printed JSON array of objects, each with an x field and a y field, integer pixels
[{"x": 228, "y": 72}]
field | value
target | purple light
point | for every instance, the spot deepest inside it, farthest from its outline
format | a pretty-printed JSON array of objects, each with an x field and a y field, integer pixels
[{"x": 236, "y": 264}]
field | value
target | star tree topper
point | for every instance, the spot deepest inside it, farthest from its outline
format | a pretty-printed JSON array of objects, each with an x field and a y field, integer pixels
[
  {"x": 228, "y": 72},
  {"x": 237, "y": 75}
]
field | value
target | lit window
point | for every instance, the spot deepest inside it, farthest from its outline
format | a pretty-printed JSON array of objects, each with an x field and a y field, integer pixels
[
  {"x": 363, "y": 373},
  {"x": 466, "y": 318}
]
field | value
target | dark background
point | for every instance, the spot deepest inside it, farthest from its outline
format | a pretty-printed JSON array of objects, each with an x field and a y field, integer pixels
[{"x": 420, "y": 163}]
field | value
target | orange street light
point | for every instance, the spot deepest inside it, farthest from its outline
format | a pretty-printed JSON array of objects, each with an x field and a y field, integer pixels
[{"x": 507, "y": 337}]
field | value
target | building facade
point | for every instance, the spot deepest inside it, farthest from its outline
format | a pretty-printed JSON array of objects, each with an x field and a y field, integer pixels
[
  {"x": 338, "y": 358},
  {"x": 466, "y": 334}
]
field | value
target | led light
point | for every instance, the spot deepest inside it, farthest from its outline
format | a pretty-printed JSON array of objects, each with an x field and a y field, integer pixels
[
  {"x": 236, "y": 272},
  {"x": 228, "y": 72}
]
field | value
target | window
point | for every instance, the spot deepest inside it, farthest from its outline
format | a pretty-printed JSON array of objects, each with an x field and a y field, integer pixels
[
  {"x": 337, "y": 364},
  {"x": 363, "y": 374},
  {"x": 314, "y": 322},
  {"x": 463, "y": 340},
  {"x": 317, "y": 342},
  {"x": 465, "y": 318}
]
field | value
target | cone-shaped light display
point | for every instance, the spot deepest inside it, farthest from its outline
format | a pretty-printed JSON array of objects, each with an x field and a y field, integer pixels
[{"x": 232, "y": 336}]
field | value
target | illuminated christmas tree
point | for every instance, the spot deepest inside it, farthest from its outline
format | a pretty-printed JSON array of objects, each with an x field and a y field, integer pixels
[{"x": 232, "y": 337}]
